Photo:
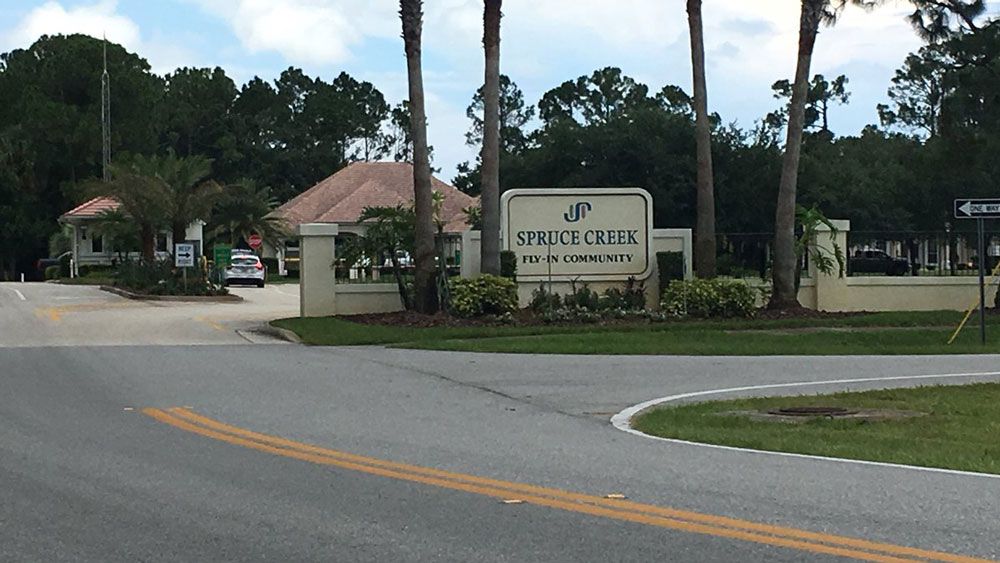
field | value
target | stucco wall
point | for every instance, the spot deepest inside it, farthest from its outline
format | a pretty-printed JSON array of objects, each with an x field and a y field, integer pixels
[
  {"x": 664, "y": 240},
  {"x": 907, "y": 294},
  {"x": 356, "y": 299}
]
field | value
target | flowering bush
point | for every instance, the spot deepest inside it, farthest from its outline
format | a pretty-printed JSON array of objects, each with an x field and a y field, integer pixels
[
  {"x": 485, "y": 295},
  {"x": 709, "y": 298}
]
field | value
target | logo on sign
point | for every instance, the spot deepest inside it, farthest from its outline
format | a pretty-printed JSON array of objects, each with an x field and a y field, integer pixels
[{"x": 578, "y": 211}]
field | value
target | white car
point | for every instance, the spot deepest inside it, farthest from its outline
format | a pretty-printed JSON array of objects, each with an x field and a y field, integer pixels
[{"x": 245, "y": 268}]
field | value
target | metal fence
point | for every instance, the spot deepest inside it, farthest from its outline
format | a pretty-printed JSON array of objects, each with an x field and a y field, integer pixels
[
  {"x": 379, "y": 269},
  {"x": 918, "y": 253}
]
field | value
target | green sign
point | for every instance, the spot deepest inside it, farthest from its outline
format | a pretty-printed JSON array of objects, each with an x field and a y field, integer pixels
[{"x": 221, "y": 253}]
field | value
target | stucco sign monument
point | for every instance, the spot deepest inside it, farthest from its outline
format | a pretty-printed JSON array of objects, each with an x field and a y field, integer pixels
[{"x": 585, "y": 234}]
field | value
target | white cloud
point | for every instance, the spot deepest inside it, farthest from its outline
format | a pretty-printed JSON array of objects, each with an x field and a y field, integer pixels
[
  {"x": 96, "y": 20},
  {"x": 304, "y": 31},
  {"x": 99, "y": 19}
]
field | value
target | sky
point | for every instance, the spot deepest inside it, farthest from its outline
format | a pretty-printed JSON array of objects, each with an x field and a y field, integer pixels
[{"x": 749, "y": 45}]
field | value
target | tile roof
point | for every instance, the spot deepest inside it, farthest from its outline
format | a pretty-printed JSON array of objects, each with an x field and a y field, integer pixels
[
  {"x": 341, "y": 197},
  {"x": 92, "y": 208}
]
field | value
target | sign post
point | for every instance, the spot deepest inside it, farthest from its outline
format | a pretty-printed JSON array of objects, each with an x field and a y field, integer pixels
[
  {"x": 982, "y": 283},
  {"x": 184, "y": 259},
  {"x": 979, "y": 209}
]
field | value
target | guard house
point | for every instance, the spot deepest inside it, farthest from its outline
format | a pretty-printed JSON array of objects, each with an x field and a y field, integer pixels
[
  {"x": 90, "y": 249},
  {"x": 342, "y": 197}
]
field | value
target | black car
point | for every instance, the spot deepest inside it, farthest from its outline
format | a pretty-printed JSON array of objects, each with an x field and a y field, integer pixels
[{"x": 877, "y": 262}]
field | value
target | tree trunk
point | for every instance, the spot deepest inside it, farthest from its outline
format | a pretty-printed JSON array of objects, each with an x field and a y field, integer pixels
[
  {"x": 148, "y": 235},
  {"x": 178, "y": 232},
  {"x": 704, "y": 256},
  {"x": 784, "y": 295},
  {"x": 490, "y": 155},
  {"x": 424, "y": 290},
  {"x": 490, "y": 197}
]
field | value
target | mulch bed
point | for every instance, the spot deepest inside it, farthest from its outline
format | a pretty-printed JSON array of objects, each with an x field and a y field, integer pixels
[
  {"x": 525, "y": 317},
  {"x": 803, "y": 313},
  {"x": 413, "y": 319}
]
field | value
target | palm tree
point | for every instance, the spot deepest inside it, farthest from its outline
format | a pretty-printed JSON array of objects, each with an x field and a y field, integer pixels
[
  {"x": 191, "y": 194},
  {"x": 424, "y": 290},
  {"x": 705, "y": 228},
  {"x": 120, "y": 230},
  {"x": 814, "y": 12},
  {"x": 490, "y": 262},
  {"x": 388, "y": 232},
  {"x": 137, "y": 185},
  {"x": 244, "y": 209}
]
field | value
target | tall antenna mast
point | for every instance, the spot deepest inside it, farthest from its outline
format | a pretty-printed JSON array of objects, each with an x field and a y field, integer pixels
[{"x": 106, "y": 116}]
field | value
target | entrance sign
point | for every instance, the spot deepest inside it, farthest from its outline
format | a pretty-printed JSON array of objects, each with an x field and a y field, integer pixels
[
  {"x": 184, "y": 255},
  {"x": 585, "y": 234},
  {"x": 977, "y": 208}
]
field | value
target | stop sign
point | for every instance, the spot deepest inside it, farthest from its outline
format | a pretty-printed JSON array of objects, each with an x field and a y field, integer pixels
[{"x": 255, "y": 241}]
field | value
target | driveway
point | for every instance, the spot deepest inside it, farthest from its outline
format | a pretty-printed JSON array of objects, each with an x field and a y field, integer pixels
[{"x": 45, "y": 314}]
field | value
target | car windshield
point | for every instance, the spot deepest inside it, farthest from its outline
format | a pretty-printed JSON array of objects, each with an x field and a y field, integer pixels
[{"x": 242, "y": 261}]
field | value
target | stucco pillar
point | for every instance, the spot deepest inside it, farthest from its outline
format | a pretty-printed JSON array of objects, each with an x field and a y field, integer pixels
[
  {"x": 471, "y": 253},
  {"x": 316, "y": 269},
  {"x": 832, "y": 293}
]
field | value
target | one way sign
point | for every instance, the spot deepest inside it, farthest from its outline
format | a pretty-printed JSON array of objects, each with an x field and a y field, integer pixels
[{"x": 977, "y": 208}]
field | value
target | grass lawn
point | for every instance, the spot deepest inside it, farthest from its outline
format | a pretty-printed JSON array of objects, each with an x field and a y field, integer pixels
[
  {"x": 960, "y": 430},
  {"x": 877, "y": 333}
]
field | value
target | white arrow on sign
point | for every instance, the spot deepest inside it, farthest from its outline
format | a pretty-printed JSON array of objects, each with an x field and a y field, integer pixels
[{"x": 988, "y": 209}]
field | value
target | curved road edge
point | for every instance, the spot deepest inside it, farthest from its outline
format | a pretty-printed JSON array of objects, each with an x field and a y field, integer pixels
[{"x": 623, "y": 420}]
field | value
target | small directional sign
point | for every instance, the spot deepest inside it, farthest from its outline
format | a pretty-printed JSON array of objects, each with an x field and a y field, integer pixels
[
  {"x": 221, "y": 254},
  {"x": 184, "y": 255},
  {"x": 977, "y": 208}
]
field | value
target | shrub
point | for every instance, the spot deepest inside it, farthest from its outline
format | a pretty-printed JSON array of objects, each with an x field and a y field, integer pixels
[
  {"x": 508, "y": 264},
  {"x": 64, "y": 266},
  {"x": 631, "y": 298},
  {"x": 160, "y": 278},
  {"x": 485, "y": 295},
  {"x": 96, "y": 271},
  {"x": 542, "y": 300},
  {"x": 709, "y": 298},
  {"x": 52, "y": 272},
  {"x": 582, "y": 298},
  {"x": 670, "y": 266}
]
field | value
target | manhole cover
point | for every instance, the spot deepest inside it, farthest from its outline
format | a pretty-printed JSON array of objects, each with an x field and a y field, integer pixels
[{"x": 813, "y": 411}]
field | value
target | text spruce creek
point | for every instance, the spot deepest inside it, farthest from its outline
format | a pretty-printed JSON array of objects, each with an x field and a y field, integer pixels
[{"x": 608, "y": 237}]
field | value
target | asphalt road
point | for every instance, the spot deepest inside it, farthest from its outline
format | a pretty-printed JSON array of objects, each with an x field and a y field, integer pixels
[{"x": 97, "y": 466}]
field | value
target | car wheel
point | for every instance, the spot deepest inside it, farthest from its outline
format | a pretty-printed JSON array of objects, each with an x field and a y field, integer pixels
[{"x": 260, "y": 284}]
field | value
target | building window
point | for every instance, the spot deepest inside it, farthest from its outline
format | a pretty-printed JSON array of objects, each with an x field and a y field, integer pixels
[{"x": 97, "y": 244}]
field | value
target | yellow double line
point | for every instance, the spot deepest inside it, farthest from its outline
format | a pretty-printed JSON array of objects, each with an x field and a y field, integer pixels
[{"x": 628, "y": 511}]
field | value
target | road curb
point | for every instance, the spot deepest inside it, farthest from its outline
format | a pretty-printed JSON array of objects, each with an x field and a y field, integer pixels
[
  {"x": 175, "y": 298},
  {"x": 284, "y": 334},
  {"x": 623, "y": 421}
]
